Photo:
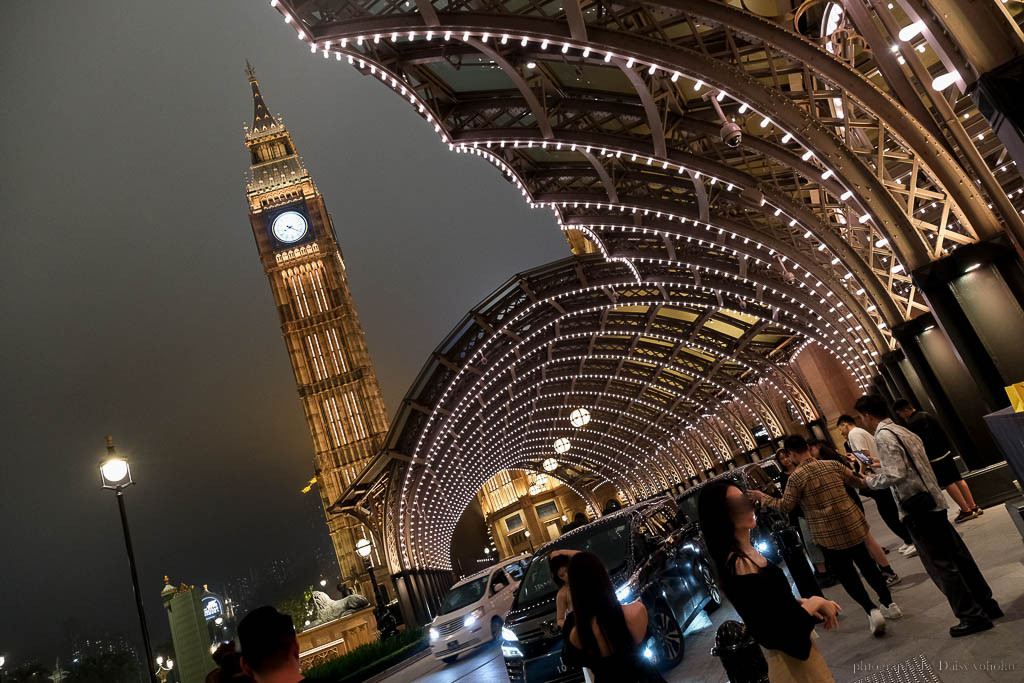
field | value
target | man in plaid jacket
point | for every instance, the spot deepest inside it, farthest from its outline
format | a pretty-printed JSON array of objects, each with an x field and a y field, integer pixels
[{"x": 837, "y": 525}]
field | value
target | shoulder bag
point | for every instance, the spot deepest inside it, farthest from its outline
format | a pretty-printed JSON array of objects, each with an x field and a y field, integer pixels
[{"x": 922, "y": 501}]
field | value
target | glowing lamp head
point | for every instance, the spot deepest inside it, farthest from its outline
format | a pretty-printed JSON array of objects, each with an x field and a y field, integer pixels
[
  {"x": 159, "y": 661},
  {"x": 562, "y": 445},
  {"x": 170, "y": 663},
  {"x": 115, "y": 473},
  {"x": 363, "y": 547},
  {"x": 550, "y": 465},
  {"x": 579, "y": 417}
]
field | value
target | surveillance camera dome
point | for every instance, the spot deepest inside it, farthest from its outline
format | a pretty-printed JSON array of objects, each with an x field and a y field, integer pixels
[{"x": 731, "y": 134}]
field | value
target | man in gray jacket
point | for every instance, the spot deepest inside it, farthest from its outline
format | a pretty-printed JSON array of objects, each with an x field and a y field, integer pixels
[{"x": 903, "y": 465}]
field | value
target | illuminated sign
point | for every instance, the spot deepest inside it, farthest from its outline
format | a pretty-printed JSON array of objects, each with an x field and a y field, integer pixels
[{"x": 212, "y": 607}]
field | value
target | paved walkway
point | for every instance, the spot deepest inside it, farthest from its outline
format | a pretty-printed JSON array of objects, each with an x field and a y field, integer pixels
[{"x": 851, "y": 651}]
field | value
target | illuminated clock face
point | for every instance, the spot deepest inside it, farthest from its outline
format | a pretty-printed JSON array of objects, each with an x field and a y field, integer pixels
[{"x": 289, "y": 227}]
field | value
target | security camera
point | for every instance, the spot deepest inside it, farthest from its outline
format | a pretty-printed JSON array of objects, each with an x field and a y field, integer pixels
[{"x": 731, "y": 134}]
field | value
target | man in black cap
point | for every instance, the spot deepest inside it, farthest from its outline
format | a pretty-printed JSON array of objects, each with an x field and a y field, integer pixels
[{"x": 270, "y": 650}]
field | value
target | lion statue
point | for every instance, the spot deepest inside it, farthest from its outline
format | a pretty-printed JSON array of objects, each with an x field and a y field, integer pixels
[{"x": 325, "y": 609}]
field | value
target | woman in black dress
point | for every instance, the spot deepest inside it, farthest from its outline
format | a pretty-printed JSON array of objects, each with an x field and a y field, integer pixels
[
  {"x": 606, "y": 637},
  {"x": 782, "y": 624}
]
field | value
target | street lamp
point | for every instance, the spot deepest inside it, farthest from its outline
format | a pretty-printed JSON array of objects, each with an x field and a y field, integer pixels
[
  {"x": 364, "y": 547},
  {"x": 163, "y": 667},
  {"x": 116, "y": 475},
  {"x": 527, "y": 534}
]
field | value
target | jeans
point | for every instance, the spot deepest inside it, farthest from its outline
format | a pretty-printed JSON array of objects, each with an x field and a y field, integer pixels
[
  {"x": 889, "y": 513},
  {"x": 841, "y": 565},
  {"x": 950, "y": 565}
]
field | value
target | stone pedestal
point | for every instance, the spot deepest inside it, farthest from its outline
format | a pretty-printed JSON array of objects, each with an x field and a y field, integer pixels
[{"x": 336, "y": 638}]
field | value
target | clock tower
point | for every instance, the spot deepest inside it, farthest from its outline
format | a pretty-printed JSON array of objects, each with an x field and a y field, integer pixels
[{"x": 336, "y": 382}]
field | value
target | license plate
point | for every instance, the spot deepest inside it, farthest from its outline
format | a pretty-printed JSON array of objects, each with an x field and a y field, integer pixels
[{"x": 452, "y": 644}]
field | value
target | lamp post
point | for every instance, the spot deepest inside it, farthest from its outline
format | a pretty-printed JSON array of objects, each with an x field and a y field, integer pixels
[
  {"x": 363, "y": 548},
  {"x": 116, "y": 475},
  {"x": 532, "y": 549},
  {"x": 163, "y": 667}
]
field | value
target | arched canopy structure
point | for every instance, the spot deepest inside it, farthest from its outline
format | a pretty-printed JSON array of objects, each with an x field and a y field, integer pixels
[
  {"x": 603, "y": 113},
  {"x": 674, "y": 367},
  {"x": 711, "y": 264}
]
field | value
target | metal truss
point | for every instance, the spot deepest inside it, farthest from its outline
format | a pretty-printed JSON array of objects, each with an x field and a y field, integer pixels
[{"x": 471, "y": 66}]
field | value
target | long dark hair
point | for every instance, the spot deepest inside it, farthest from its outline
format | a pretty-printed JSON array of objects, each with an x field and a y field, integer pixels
[
  {"x": 593, "y": 599},
  {"x": 716, "y": 526}
]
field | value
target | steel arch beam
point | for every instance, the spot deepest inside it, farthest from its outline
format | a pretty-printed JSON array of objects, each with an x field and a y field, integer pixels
[
  {"x": 806, "y": 218},
  {"x": 814, "y": 135}
]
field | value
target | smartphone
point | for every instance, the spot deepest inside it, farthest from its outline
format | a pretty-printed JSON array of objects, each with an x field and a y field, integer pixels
[{"x": 863, "y": 457}]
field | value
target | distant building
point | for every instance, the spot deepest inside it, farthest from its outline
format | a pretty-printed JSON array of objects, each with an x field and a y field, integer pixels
[{"x": 515, "y": 501}]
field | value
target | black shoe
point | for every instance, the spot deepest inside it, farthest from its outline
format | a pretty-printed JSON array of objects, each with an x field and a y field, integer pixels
[
  {"x": 966, "y": 628},
  {"x": 992, "y": 610}
]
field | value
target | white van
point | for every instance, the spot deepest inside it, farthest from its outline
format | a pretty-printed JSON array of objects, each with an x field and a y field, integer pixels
[{"x": 474, "y": 609}]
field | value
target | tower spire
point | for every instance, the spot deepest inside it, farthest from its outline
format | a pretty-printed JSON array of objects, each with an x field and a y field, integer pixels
[{"x": 261, "y": 116}]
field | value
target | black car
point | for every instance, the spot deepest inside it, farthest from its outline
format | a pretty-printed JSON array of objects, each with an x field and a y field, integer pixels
[{"x": 648, "y": 557}]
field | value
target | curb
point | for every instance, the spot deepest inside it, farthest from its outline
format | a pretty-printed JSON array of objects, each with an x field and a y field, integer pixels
[{"x": 387, "y": 673}]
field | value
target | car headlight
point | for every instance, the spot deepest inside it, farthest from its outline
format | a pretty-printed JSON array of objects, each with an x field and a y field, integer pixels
[
  {"x": 434, "y": 635},
  {"x": 472, "y": 617},
  {"x": 623, "y": 592},
  {"x": 509, "y": 635},
  {"x": 511, "y": 651}
]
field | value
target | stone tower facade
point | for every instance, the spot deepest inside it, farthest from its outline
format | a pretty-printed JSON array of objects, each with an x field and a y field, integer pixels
[{"x": 336, "y": 381}]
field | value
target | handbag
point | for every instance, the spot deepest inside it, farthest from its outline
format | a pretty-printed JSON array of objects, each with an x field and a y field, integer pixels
[{"x": 922, "y": 501}]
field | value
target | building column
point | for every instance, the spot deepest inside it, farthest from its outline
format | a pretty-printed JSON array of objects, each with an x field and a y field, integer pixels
[{"x": 961, "y": 355}]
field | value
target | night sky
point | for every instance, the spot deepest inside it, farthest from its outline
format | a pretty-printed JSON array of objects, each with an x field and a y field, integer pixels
[{"x": 134, "y": 304}]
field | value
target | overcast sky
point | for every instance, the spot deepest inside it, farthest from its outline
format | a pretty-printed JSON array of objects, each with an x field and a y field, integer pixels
[{"x": 134, "y": 303}]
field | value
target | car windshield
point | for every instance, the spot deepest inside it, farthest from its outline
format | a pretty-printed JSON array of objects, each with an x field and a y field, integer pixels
[
  {"x": 610, "y": 543},
  {"x": 466, "y": 594}
]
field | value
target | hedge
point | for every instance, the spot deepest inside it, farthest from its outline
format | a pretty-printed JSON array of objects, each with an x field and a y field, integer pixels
[{"x": 370, "y": 659}]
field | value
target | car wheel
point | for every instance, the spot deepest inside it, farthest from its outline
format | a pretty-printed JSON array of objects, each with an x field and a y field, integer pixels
[
  {"x": 495, "y": 629},
  {"x": 712, "y": 586},
  {"x": 668, "y": 638},
  {"x": 450, "y": 660}
]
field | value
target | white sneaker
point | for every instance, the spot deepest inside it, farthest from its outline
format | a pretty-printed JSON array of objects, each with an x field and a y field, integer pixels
[
  {"x": 876, "y": 622},
  {"x": 911, "y": 551},
  {"x": 893, "y": 611}
]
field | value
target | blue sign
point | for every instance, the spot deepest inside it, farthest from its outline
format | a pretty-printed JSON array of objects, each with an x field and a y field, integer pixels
[{"x": 212, "y": 607}]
